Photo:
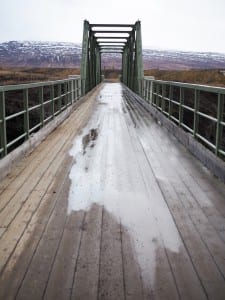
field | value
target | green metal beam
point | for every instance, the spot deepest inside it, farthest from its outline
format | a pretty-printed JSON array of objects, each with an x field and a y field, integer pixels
[
  {"x": 95, "y": 44},
  {"x": 112, "y": 25},
  {"x": 111, "y": 31},
  {"x": 84, "y": 60}
]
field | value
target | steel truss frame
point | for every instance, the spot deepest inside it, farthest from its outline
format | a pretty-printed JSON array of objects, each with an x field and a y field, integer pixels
[{"x": 124, "y": 39}]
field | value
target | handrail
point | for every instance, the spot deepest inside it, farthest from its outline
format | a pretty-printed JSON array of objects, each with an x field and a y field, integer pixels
[
  {"x": 33, "y": 84},
  {"x": 39, "y": 103},
  {"x": 186, "y": 105}
]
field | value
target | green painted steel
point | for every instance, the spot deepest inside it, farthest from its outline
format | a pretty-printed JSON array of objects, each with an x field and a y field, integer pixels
[
  {"x": 61, "y": 94},
  {"x": 26, "y": 113},
  {"x": 97, "y": 40},
  {"x": 168, "y": 97},
  {"x": 3, "y": 148}
]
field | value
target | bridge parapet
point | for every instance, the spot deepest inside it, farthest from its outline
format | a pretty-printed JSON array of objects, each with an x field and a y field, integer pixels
[
  {"x": 198, "y": 109},
  {"x": 26, "y": 108}
]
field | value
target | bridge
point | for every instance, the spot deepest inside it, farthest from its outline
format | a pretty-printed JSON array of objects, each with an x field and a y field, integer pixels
[{"x": 114, "y": 191}]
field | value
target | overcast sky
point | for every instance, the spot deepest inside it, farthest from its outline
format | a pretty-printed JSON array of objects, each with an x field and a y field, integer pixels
[{"x": 196, "y": 25}]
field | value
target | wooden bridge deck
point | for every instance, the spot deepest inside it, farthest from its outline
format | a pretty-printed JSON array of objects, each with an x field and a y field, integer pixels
[{"x": 117, "y": 210}]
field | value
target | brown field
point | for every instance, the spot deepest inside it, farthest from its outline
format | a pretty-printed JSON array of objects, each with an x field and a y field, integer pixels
[
  {"x": 24, "y": 75},
  {"x": 206, "y": 77}
]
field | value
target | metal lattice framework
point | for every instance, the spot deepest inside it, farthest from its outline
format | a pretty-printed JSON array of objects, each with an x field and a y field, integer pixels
[{"x": 124, "y": 39}]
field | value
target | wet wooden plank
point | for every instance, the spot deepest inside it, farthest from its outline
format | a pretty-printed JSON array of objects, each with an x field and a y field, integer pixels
[
  {"x": 111, "y": 279},
  {"x": 206, "y": 218},
  {"x": 186, "y": 279},
  {"x": 133, "y": 286},
  {"x": 61, "y": 279},
  {"x": 166, "y": 174},
  {"x": 208, "y": 273},
  {"x": 86, "y": 278},
  {"x": 164, "y": 285}
]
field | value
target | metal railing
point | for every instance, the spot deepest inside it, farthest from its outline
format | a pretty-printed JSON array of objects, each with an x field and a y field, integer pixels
[
  {"x": 25, "y": 108},
  {"x": 198, "y": 109}
]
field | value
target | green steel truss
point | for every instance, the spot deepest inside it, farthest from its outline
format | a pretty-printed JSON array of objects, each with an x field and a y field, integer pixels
[{"x": 124, "y": 39}]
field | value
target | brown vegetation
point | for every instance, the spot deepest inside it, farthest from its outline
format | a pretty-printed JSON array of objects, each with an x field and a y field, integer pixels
[
  {"x": 207, "y": 77},
  {"x": 24, "y": 75}
]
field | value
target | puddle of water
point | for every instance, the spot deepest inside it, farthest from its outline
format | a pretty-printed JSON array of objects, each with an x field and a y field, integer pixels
[{"x": 109, "y": 174}]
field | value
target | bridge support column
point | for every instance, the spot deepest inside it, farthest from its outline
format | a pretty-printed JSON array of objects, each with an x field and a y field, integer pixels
[{"x": 132, "y": 73}]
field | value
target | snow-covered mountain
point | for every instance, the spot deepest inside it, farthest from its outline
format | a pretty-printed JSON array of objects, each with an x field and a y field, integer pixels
[
  {"x": 172, "y": 59},
  {"x": 59, "y": 54},
  {"x": 40, "y": 54}
]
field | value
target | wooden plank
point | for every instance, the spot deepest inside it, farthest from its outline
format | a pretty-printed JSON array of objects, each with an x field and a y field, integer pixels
[
  {"x": 164, "y": 285},
  {"x": 111, "y": 281},
  {"x": 10, "y": 211},
  {"x": 187, "y": 230},
  {"x": 35, "y": 281},
  {"x": 210, "y": 277},
  {"x": 186, "y": 279},
  {"x": 13, "y": 234},
  {"x": 2, "y": 231},
  {"x": 86, "y": 278},
  {"x": 132, "y": 272},
  {"x": 19, "y": 262},
  {"x": 196, "y": 203},
  {"x": 61, "y": 278},
  {"x": 10, "y": 177},
  {"x": 195, "y": 176}
]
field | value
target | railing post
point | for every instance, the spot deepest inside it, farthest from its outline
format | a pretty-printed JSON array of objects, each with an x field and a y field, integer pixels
[
  {"x": 163, "y": 97},
  {"x": 219, "y": 127},
  {"x": 76, "y": 89},
  {"x": 41, "y": 101},
  {"x": 147, "y": 90},
  {"x": 181, "y": 109},
  {"x": 143, "y": 92},
  {"x": 157, "y": 95},
  {"x": 52, "y": 100},
  {"x": 65, "y": 92},
  {"x": 170, "y": 98},
  {"x": 26, "y": 113},
  {"x": 3, "y": 137},
  {"x": 151, "y": 91},
  {"x": 59, "y": 97},
  {"x": 196, "y": 116},
  {"x": 79, "y": 88},
  {"x": 150, "y": 83},
  {"x": 73, "y": 86}
]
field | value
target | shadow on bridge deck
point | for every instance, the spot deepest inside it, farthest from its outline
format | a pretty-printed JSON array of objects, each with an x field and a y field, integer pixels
[{"x": 113, "y": 208}]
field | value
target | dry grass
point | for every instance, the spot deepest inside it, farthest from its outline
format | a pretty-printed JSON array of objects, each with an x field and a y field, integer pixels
[
  {"x": 24, "y": 75},
  {"x": 206, "y": 77}
]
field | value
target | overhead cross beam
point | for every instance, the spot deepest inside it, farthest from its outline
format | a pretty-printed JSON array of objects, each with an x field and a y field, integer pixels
[{"x": 122, "y": 39}]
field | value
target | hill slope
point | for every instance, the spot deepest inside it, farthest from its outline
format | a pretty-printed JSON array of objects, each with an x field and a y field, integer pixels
[{"x": 68, "y": 55}]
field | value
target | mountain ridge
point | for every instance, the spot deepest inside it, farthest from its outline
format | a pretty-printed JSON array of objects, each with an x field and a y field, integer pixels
[{"x": 67, "y": 54}]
